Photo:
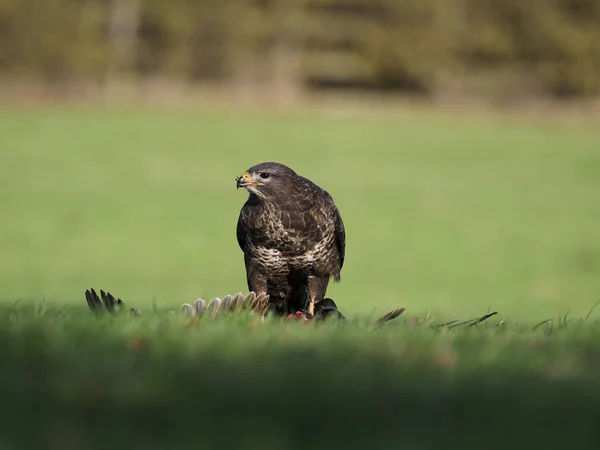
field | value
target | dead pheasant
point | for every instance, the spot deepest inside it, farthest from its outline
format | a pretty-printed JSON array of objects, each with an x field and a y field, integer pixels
[{"x": 259, "y": 303}]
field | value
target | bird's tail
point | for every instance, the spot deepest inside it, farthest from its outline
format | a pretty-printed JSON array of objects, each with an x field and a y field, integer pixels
[{"x": 390, "y": 316}]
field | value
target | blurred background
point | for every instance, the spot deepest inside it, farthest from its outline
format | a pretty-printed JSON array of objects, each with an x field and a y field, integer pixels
[
  {"x": 123, "y": 124},
  {"x": 500, "y": 49}
]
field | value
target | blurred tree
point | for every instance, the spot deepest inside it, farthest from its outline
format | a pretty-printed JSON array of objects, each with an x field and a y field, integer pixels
[
  {"x": 285, "y": 45},
  {"x": 124, "y": 19}
]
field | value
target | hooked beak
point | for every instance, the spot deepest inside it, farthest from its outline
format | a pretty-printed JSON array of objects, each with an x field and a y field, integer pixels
[{"x": 245, "y": 181}]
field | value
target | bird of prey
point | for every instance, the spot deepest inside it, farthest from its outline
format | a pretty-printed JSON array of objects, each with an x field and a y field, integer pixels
[{"x": 292, "y": 237}]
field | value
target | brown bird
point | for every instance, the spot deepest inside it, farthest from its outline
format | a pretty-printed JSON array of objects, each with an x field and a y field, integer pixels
[{"x": 292, "y": 236}]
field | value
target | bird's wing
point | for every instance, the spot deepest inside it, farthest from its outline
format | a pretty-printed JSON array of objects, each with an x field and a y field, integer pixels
[
  {"x": 340, "y": 231},
  {"x": 340, "y": 236}
]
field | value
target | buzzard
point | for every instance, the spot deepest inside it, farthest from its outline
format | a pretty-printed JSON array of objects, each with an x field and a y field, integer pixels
[{"x": 292, "y": 237}]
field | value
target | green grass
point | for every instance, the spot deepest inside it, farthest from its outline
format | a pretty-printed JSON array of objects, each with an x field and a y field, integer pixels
[
  {"x": 70, "y": 381},
  {"x": 452, "y": 215},
  {"x": 448, "y": 215}
]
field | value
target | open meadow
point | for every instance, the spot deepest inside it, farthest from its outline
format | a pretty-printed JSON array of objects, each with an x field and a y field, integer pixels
[{"x": 447, "y": 216}]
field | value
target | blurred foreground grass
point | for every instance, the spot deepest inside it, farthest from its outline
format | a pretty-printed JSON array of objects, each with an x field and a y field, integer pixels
[
  {"x": 73, "y": 381},
  {"x": 450, "y": 214}
]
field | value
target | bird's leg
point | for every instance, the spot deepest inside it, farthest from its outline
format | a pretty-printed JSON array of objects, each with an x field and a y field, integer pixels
[
  {"x": 311, "y": 307},
  {"x": 316, "y": 287}
]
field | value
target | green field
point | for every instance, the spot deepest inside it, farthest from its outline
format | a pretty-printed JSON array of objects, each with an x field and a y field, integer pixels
[
  {"x": 446, "y": 216},
  {"x": 442, "y": 214},
  {"x": 71, "y": 381}
]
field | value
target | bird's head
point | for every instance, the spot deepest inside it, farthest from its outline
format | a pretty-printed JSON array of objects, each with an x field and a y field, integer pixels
[{"x": 266, "y": 178}]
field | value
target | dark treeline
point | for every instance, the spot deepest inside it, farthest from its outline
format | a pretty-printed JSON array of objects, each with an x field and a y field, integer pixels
[{"x": 545, "y": 47}]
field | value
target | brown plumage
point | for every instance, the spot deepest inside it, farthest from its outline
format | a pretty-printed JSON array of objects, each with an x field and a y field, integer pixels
[{"x": 292, "y": 236}]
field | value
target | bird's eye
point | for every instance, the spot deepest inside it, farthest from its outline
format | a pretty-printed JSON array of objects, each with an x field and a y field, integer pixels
[{"x": 264, "y": 175}]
